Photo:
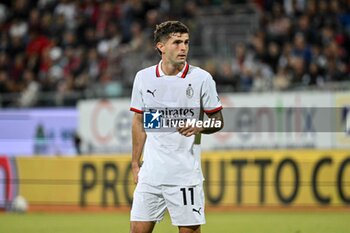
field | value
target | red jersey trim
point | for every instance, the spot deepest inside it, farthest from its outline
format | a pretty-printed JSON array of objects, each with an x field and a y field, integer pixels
[
  {"x": 157, "y": 71},
  {"x": 187, "y": 67},
  {"x": 185, "y": 71},
  {"x": 213, "y": 110},
  {"x": 136, "y": 110}
]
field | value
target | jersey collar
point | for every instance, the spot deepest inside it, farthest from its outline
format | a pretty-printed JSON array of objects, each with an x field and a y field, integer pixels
[{"x": 181, "y": 74}]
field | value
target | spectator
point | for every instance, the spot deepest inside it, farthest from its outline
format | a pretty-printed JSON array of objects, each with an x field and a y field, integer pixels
[
  {"x": 4, "y": 82},
  {"x": 272, "y": 56},
  {"x": 29, "y": 95},
  {"x": 37, "y": 43},
  {"x": 75, "y": 46},
  {"x": 301, "y": 49},
  {"x": 68, "y": 9},
  {"x": 314, "y": 76},
  {"x": 242, "y": 67},
  {"x": 281, "y": 81},
  {"x": 224, "y": 76},
  {"x": 3, "y": 13}
]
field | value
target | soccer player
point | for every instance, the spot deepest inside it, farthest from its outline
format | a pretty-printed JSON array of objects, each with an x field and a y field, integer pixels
[{"x": 170, "y": 176}]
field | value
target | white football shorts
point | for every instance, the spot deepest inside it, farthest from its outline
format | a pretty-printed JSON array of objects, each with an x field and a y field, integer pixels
[{"x": 184, "y": 203}]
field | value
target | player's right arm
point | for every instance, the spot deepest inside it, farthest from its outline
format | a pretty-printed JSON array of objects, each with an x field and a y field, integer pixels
[{"x": 138, "y": 141}]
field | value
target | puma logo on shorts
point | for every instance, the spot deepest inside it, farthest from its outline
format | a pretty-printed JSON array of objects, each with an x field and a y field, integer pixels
[{"x": 198, "y": 211}]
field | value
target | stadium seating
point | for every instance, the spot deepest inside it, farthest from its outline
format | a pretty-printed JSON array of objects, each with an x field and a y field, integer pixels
[{"x": 55, "y": 52}]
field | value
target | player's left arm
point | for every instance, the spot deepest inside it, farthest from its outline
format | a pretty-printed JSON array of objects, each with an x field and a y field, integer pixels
[
  {"x": 190, "y": 130},
  {"x": 217, "y": 116}
]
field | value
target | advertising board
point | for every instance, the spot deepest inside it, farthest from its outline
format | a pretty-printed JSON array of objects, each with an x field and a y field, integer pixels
[
  {"x": 293, "y": 178},
  {"x": 252, "y": 121},
  {"x": 105, "y": 125},
  {"x": 288, "y": 120},
  {"x": 48, "y": 131}
]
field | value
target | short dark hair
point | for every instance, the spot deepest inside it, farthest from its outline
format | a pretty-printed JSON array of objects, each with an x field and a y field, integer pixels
[{"x": 164, "y": 30}]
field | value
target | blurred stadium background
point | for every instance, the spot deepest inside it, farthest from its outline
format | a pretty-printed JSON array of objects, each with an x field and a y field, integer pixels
[{"x": 66, "y": 72}]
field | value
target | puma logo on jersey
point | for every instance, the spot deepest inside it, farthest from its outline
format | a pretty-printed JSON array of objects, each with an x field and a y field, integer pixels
[
  {"x": 198, "y": 211},
  {"x": 151, "y": 92}
]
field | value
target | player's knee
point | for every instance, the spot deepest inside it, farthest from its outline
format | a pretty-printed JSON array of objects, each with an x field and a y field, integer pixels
[
  {"x": 190, "y": 229},
  {"x": 134, "y": 228},
  {"x": 141, "y": 227}
]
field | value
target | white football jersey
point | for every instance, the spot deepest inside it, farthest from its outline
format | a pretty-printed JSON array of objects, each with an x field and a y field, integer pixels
[{"x": 168, "y": 157}]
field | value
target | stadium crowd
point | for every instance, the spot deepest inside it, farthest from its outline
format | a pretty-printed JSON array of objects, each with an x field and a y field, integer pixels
[{"x": 64, "y": 47}]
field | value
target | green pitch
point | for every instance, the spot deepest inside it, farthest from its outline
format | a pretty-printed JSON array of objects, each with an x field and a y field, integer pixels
[{"x": 216, "y": 222}]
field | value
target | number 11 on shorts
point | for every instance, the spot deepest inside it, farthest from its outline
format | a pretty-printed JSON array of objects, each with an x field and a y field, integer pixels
[{"x": 190, "y": 190}]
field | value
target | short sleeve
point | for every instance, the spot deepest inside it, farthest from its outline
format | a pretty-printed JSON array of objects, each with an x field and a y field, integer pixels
[
  {"x": 210, "y": 99},
  {"x": 136, "y": 96}
]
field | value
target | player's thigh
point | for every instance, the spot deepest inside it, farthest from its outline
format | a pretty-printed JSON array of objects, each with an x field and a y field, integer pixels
[
  {"x": 141, "y": 227},
  {"x": 148, "y": 204},
  {"x": 185, "y": 204}
]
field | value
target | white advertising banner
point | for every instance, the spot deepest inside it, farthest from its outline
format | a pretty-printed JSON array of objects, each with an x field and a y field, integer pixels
[
  {"x": 105, "y": 126},
  {"x": 269, "y": 120},
  {"x": 278, "y": 120}
]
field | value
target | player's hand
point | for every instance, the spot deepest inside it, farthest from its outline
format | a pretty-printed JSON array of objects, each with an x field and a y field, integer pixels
[
  {"x": 135, "y": 172},
  {"x": 188, "y": 131}
]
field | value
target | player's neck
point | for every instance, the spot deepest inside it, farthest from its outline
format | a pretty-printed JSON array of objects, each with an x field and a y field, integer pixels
[{"x": 171, "y": 69}]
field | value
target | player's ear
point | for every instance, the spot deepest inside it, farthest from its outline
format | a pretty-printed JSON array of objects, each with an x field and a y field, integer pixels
[{"x": 160, "y": 46}]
